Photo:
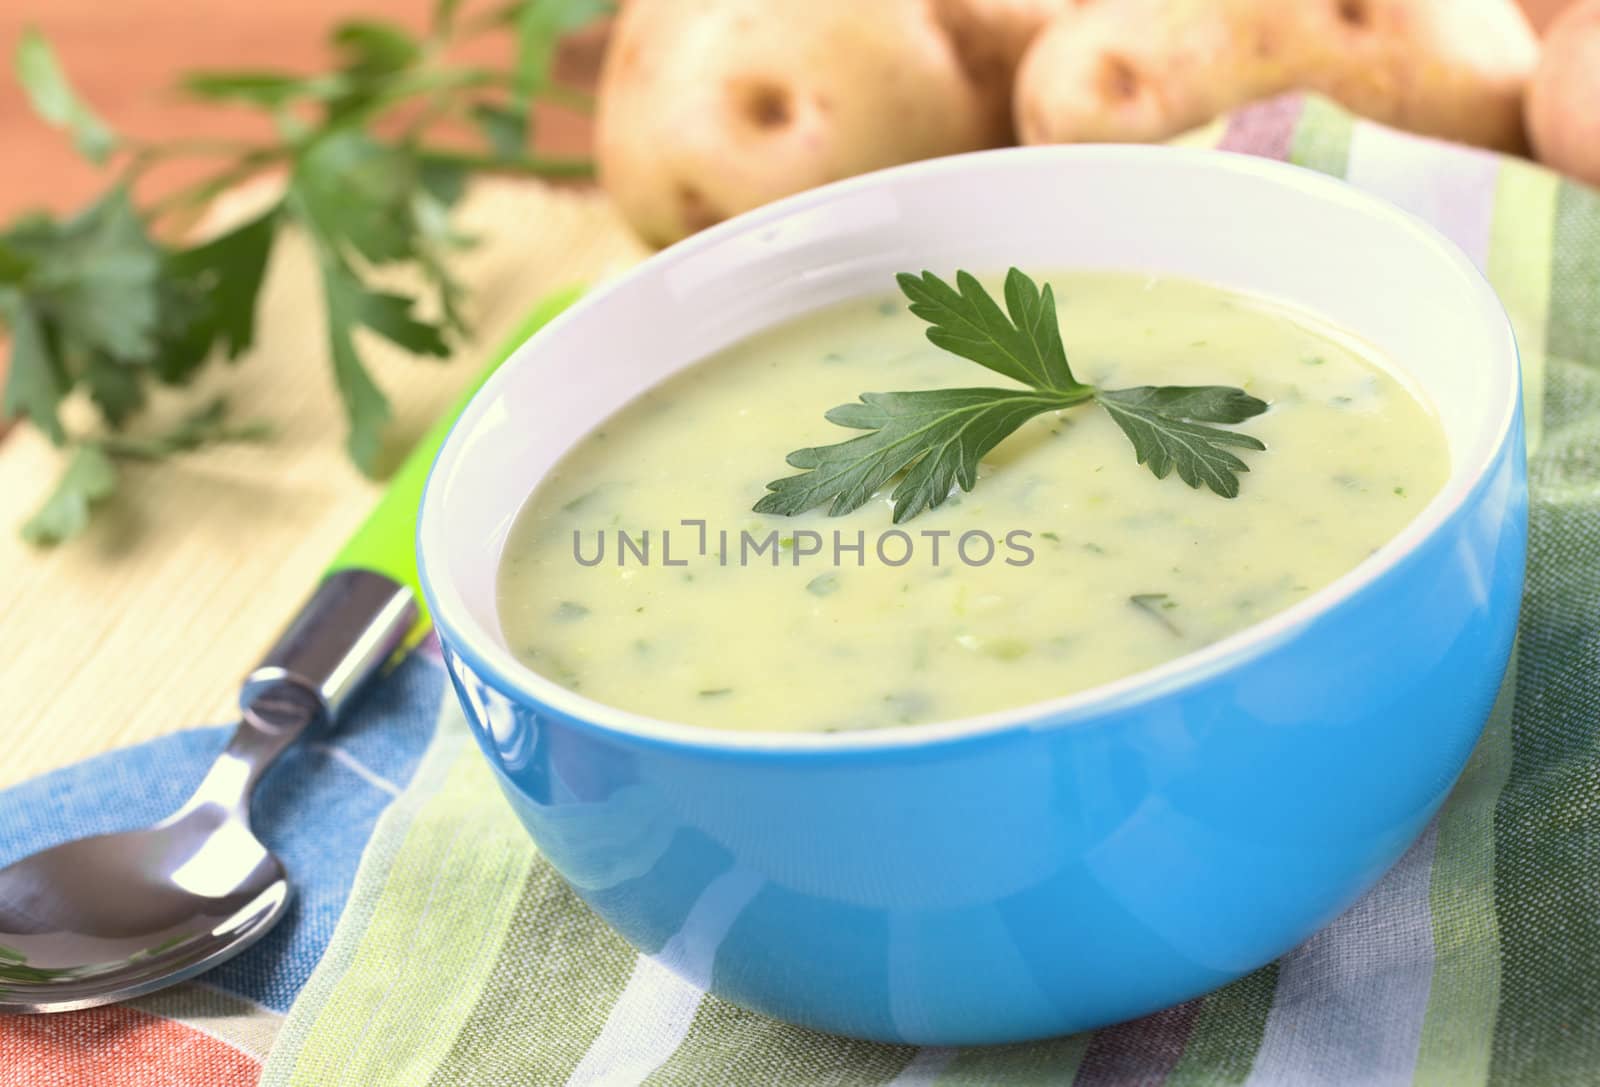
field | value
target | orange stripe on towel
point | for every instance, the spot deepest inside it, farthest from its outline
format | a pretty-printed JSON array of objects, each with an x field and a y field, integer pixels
[{"x": 116, "y": 1047}]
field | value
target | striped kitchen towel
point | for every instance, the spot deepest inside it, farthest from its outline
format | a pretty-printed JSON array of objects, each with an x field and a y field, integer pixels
[
  {"x": 463, "y": 959},
  {"x": 315, "y": 809}
]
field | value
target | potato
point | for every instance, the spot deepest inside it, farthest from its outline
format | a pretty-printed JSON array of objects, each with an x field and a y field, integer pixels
[
  {"x": 711, "y": 107},
  {"x": 1001, "y": 27},
  {"x": 1563, "y": 106},
  {"x": 1133, "y": 70}
]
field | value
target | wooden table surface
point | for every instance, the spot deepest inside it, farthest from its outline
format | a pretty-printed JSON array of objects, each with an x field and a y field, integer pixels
[{"x": 146, "y": 624}]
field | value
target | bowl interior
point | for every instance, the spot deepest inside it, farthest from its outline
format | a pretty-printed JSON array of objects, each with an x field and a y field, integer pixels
[{"x": 1231, "y": 220}]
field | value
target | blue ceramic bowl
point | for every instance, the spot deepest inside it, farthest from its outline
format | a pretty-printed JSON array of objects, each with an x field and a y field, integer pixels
[{"x": 1068, "y": 864}]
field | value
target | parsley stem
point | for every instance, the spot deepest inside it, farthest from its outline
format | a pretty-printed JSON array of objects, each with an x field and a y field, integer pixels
[
  {"x": 425, "y": 81},
  {"x": 536, "y": 165},
  {"x": 162, "y": 446},
  {"x": 207, "y": 426},
  {"x": 154, "y": 152}
]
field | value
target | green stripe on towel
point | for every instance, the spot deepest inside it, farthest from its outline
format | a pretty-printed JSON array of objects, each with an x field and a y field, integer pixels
[
  {"x": 1459, "y": 1026},
  {"x": 1322, "y": 138},
  {"x": 433, "y": 924},
  {"x": 558, "y": 974},
  {"x": 727, "y": 1044},
  {"x": 1227, "y": 1035},
  {"x": 1547, "y": 823},
  {"x": 1054, "y": 1061},
  {"x": 1520, "y": 245}
]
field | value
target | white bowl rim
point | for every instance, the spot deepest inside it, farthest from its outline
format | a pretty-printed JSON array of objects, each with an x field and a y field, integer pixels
[{"x": 1078, "y": 709}]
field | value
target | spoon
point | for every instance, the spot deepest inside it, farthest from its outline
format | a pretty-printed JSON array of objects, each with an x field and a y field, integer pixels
[{"x": 113, "y": 916}]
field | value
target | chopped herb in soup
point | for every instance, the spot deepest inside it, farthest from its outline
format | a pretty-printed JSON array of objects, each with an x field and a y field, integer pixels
[{"x": 638, "y": 575}]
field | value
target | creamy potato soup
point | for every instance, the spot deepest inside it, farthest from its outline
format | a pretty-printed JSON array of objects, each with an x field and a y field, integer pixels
[{"x": 1068, "y": 565}]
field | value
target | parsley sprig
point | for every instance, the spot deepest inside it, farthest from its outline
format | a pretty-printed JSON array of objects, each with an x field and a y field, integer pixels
[
  {"x": 117, "y": 299},
  {"x": 933, "y": 439}
]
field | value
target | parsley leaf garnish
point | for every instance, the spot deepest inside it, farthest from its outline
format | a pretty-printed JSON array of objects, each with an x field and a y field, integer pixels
[
  {"x": 1024, "y": 346},
  {"x": 1164, "y": 425},
  {"x": 933, "y": 439},
  {"x": 936, "y": 437}
]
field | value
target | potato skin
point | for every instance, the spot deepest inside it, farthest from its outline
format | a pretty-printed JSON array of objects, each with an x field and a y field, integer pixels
[
  {"x": 710, "y": 107},
  {"x": 1123, "y": 70},
  {"x": 1563, "y": 106},
  {"x": 1005, "y": 27}
]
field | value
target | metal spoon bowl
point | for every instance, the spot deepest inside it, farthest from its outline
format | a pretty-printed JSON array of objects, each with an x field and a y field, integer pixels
[{"x": 114, "y": 916}]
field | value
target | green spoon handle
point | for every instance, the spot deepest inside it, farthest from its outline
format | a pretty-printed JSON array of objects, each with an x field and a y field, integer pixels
[{"x": 386, "y": 541}]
